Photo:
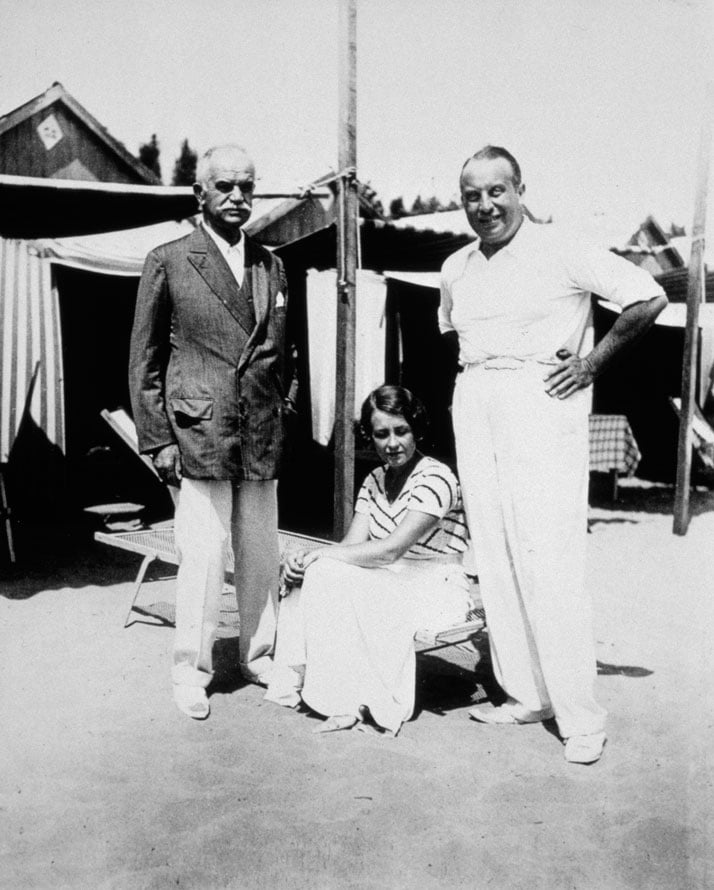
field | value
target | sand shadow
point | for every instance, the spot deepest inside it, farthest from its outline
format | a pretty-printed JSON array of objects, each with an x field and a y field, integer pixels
[
  {"x": 622, "y": 670},
  {"x": 443, "y": 686},
  {"x": 227, "y": 677},
  {"x": 641, "y": 496},
  {"x": 615, "y": 520},
  {"x": 456, "y": 677},
  {"x": 65, "y": 557}
]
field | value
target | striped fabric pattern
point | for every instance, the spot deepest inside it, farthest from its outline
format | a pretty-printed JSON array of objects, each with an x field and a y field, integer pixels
[
  {"x": 30, "y": 342},
  {"x": 431, "y": 488}
]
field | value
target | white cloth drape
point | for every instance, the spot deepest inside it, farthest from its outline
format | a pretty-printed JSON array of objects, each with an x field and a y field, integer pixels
[{"x": 322, "y": 331}]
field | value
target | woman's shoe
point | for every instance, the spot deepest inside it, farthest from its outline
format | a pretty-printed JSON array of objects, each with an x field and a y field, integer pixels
[{"x": 335, "y": 724}]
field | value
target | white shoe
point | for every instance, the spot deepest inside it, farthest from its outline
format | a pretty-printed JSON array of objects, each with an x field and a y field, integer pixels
[
  {"x": 513, "y": 714},
  {"x": 192, "y": 700},
  {"x": 585, "y": 748},
  {"x": 284, "y": 687},
  {"x": 262, "y": 679},
  {"x": 259, "y": 671}
]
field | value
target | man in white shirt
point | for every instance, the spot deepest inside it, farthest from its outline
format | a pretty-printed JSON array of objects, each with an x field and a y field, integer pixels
[
  {"x": 516, "y": 305},
  {"x": 211, "y": 382}
]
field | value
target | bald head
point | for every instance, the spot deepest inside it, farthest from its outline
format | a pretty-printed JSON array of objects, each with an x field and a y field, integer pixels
[{"x": 493, "y": 153}]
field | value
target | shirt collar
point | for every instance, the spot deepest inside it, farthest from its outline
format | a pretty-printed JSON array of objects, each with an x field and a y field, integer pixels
[
  {"x": 517, "y": 241},
  {"x": 225, "y": 248}
]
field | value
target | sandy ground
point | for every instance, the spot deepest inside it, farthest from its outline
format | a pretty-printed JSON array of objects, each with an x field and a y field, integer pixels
[{"x": 107, "y": 785}]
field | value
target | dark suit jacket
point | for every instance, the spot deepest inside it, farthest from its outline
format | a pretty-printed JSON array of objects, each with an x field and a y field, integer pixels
[{"x": 202, "y": 374}]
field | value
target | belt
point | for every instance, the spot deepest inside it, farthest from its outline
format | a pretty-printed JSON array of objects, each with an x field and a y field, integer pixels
[{"x": 506, "y": 363}]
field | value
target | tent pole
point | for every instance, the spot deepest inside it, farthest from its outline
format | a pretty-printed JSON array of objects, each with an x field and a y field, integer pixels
[
  {"x": 344, "y": 442},
  {"x": 695, "y": 295}
]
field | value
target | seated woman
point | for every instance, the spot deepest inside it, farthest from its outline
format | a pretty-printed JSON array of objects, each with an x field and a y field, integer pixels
[{"x": 397, "y": 570}]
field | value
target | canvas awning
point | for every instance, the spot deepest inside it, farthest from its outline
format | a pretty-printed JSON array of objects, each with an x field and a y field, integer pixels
[
  {"x": 36, "y": 208},
  {"x": 110, "y": 253},
  {"x": 30, "y": 334}
]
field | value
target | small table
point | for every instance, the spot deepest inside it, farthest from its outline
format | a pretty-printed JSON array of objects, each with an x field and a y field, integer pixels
[{"x": 613, "y": 447}]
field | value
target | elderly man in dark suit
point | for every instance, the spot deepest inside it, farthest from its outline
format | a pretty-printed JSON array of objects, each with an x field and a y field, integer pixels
[{"x": 211, "y": 383}]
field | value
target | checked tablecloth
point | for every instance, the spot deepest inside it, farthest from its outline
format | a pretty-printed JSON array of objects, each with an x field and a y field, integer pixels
[{"x": 612, "y": 445}]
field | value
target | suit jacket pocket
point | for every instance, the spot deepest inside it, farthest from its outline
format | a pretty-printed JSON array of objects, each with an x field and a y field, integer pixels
[{"x": 188, "y": 411}]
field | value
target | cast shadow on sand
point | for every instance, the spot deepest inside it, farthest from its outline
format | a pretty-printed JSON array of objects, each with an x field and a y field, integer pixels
[
  {"x": 622, "y": 670},
  {"x": 641, "y": 496},
  {"x": 452, "y": 680},
  {"x": 226, "y": 668},
  {"x": 64, "y": 558}
]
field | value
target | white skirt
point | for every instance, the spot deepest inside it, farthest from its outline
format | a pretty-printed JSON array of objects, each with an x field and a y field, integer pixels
[{"x": 353, "y": 629}]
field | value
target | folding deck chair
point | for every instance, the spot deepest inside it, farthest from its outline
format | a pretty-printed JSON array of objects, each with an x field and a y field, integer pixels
[
  {"x": 5, "y": 509},
  {"x": 702, "y": 433},
  {"x": 157, "y": 543}
]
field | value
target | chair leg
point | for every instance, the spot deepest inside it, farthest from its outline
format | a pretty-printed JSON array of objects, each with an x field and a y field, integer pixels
[{"x": 145, "y": 563}]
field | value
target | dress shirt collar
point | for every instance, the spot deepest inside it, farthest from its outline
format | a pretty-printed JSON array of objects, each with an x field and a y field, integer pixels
[
  {"x": 228, "y": 250},
  {"x": 233, "y": 254}
]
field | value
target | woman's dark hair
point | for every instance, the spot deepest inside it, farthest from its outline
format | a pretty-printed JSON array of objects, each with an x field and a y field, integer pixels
[{"x": 394, "y": 400}]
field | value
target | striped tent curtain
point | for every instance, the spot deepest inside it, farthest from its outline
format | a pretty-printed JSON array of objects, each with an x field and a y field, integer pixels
[{"x": 29, "y": 334}]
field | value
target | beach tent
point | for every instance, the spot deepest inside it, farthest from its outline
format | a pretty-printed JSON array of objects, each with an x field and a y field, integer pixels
[
  {"x": 30, "y": 316},
  {"x": 641, "y": 383},
  {"x": 65, "y": 312},
  {"x": 83, "y": 229}
]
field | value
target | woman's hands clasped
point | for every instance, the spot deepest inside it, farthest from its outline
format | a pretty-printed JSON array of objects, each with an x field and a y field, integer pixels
[
  {"x": 293, "y": 568},
  {"x": 296, "y": 561}
]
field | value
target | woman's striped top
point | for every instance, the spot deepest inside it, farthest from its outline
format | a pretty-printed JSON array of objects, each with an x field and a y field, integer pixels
[{"x": 431, "y": 488}]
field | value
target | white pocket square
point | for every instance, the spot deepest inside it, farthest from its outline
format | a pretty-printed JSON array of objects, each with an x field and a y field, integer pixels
[{"x": 279, "y": 301}]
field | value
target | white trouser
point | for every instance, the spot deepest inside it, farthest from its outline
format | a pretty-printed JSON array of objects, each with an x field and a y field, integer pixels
[
  {"x": 208, "y": 516},
  {"x": 523, "y": 465}
]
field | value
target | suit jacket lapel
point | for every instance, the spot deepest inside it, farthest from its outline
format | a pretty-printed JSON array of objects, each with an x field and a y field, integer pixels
[
  {"x": 260, "y": 285},
  {"x": 208, "y": 261}
]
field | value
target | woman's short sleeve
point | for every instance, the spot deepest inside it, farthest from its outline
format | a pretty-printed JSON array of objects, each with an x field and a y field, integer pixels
[
  {"x": 365, "y": 495},
  {"x": 435, "y": 492}
]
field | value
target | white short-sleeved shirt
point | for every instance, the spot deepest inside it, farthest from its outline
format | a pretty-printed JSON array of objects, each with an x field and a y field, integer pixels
[
  {"x": 532, "y": 297},
  {"x": 431, "y": 488}
]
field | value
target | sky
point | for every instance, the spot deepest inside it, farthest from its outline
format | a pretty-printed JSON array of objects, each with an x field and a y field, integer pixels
[{"x": 600, "y": 100}]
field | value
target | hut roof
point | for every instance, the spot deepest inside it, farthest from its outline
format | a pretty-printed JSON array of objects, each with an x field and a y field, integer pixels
[{"x": 54, "y": 135}]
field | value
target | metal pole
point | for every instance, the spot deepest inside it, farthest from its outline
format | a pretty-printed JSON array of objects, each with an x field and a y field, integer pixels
[
  {"x": 695, "y": 294},
  {"x": 347, "y": 229}
]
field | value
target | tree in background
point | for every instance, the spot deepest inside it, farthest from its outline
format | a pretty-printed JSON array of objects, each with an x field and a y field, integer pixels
[
  {"x": 369, "y": 201},
  {"x": 397, "y": 209},
  {"x": 185, "y": 166},
  {"x": 425, "y": 205},
  {"x": 149, "y": 155},
  {"x": 419, "y": 206}
]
